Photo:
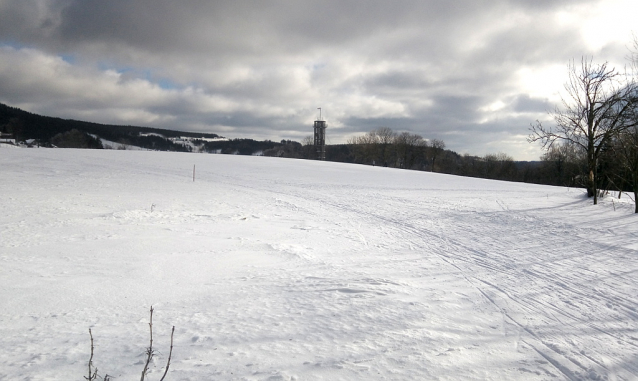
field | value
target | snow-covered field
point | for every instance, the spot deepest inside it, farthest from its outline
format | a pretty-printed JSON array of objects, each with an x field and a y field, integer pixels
[{"x": 278, "y": 269}]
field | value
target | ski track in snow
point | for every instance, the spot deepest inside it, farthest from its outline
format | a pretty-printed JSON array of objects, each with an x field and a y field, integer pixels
[{"x": 274, "y": 269}]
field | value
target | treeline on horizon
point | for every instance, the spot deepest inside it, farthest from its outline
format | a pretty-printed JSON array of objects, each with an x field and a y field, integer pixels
[
  {"x": 387, "y": 148},
  {"x": 381, "y": 147}
]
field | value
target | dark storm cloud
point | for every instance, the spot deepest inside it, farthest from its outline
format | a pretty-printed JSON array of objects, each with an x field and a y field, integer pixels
[
  {"x": 400, "y": 80},
  {"x": 448, "y": 70},
  {"x": 270, "y": 27}
]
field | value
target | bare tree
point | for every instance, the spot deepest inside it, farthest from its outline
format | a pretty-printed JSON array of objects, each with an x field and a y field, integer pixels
[
  {"x": 374, "y": 146},
  {"x": 436, "y": 149},
  {"x": 408, "y": 147},
  {"x": 308, "y": 140},
  {"x": 363, "y": 147},
  {"x": 626, "y": 149},
  {"x": 499, "y": 166},
  {"x": 593, "y": 112},
  {"x": 626, "y": 146},
  {"x": 385, "y": 138},
  {"x": 633, "y": 57},
  {"x": 563, "y": 164},
  {"x": 308, "y": 146}
]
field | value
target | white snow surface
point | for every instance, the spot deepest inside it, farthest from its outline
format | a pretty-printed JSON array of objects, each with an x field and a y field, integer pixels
[{"x": 281, "y": 269}]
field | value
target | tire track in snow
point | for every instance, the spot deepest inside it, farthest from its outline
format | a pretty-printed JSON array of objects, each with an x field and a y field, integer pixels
[
  {"x": 563, "y": 289},
  {"x": 454, "y": 249},
  {"x": 563, "y": 292}
]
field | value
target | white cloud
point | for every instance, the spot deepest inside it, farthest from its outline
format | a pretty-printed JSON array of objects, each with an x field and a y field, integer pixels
[
  {"x": 606, "y": 23},
  {"x": 542, "y": 81}
]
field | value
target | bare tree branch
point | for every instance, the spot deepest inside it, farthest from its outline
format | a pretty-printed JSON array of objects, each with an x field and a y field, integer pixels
[
  {"x": 92, "y": 374},
  {"x": 170, "y": 353},
  {"x": 149, "y": 351}
]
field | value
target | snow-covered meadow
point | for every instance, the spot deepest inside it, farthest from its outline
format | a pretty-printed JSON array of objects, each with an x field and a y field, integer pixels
[{"x": 279, "y": 269}]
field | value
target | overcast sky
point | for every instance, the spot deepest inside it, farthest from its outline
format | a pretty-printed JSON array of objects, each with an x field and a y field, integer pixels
[{"x": 473, "y": 73}]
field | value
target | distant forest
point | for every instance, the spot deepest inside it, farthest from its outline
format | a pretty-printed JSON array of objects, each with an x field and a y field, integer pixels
[
  {"x": 381, "y": 147},
  {"x": 24, "y": 125}
]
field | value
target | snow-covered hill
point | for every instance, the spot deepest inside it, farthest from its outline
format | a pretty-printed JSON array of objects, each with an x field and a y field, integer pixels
[{"x": 286, "y": 269}]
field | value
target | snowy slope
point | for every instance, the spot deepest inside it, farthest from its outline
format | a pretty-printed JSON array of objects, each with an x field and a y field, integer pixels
[{"x": 287, "y": 269}]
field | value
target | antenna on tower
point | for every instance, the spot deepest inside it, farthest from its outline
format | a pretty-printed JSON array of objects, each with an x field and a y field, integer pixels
[{"x": 319, "y": 108}]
